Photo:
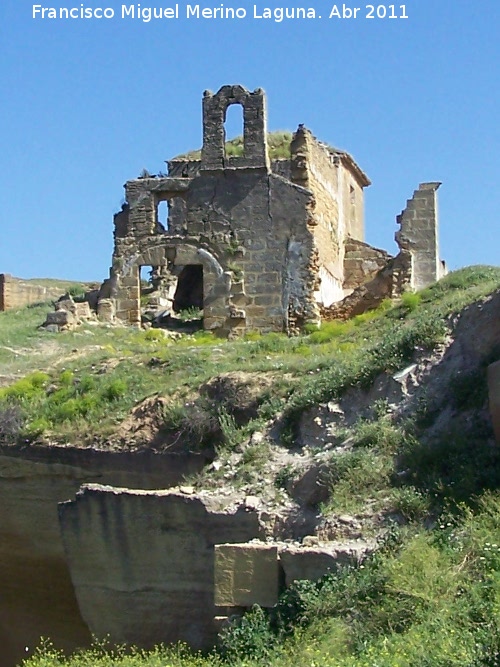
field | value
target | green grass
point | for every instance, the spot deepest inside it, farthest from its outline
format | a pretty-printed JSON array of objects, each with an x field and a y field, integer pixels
[{"x": 315, "y": 367}]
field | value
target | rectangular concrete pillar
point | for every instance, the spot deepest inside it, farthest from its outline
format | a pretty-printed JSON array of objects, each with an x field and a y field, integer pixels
[{"x": 246, "y": 574}]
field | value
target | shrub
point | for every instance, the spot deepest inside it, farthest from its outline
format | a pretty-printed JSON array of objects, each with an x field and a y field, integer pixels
[
  {"x": 76, "y": 290},
  {"x": 36, "y": 428},
  {"x": 191, "y": 313},
  {"x": 271, "y": 342},
  {"x": 73, "y": 408},
  {"x": 66, "y": 378},
  {"x": 284, "y": 476},
  {"x": 249, "y": 636},
  {"x": 195, "y": 423},
  {"x": 229, "y": 428},
  {"x": 203, "y": 337},
  {"x": 412, "y": 504},
  {"x": 410, "y": 301},
  {"x": 381, "y": 434},
  {"x": 356, "y": 476},
  {"x": 454, "y": 468},
  {"x": 252, "y": 336},
  {"x": 26, "y": 388},
  {"x": 85, "y": 384},
  {"x": 114, "y": 390},
  {"x": 461, "y": 280}
]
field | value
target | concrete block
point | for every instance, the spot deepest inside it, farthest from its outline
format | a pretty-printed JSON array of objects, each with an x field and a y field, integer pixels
[{"x": 246, "y": 574}]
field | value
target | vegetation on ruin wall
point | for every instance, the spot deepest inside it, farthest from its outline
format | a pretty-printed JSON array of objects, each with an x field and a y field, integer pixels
[
  {"x": 278, "y": 144},
  {"x": 429, "y": 597}
]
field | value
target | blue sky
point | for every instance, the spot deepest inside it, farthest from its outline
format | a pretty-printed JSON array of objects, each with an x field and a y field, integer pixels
[{"x": 88, "y": 103}]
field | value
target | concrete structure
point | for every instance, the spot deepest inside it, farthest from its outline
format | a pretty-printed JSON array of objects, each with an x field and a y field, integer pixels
[
  {"x": 246, "y": 574},
  {"x": 257, "y": 244}
]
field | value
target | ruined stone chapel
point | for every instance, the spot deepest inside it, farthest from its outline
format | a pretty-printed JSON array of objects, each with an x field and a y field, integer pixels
[{"x": 260, "y": 244}]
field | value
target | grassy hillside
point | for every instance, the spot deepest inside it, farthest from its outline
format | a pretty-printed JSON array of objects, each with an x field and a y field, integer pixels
[
  {"x": 430, "y": 596},
  {"x": 72, "y": 286}
]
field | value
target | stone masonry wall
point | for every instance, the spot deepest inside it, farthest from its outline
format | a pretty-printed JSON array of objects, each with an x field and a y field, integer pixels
[
  {"x": 361, "y": 263},
  {"x": 17, "y": 293},
  {"x": 419, "y": 236},
  {"x": 338, "y": 210},
  {"x": 352, "y": 198},
  {"x": 374, "y": 276},
  {"x": 37, "y": 597},
  {"x": 312, "y": 168},
  {"x": 213, "y": 153}
]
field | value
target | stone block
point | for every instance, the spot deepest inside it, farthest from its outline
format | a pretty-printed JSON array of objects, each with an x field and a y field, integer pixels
[
  {"x": 152, "y": 257},
  {"x": 60, "y": 317},
  {"x": 494, "y": 397},
  {"x": 269, "y": 277},
  {"x": 106, "y": 310},
  {"x": 267, "y": 300},
  {"x": 130, "y": 281},
  {"x": 82, "y": 311},
  {"x": 255, "y": 311},
  {"x": 65, "y": 304},
  {"x": 246, "y": 574}
]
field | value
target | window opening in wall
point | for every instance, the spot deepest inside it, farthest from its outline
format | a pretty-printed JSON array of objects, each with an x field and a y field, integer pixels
[
  {"x": 162, "y": 214},
  {"x": 233, "y": 129},
  {"x": 188, "y": 298},
  {"x": 145, "y": 274}
]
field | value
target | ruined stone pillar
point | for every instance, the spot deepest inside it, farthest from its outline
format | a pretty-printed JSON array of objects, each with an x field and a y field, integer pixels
[
  {"x": 128, "y": 293},
  {"x": 419, "y": 235}
]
